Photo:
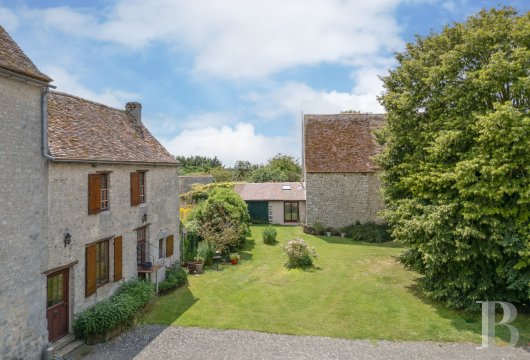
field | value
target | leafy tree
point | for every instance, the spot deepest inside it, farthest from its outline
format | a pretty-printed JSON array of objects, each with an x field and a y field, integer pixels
[
  {"x": 279, "y": 168},
  {"x": 222, "y": 218},
  {"x": 267, "y": 174},
  {"x": 243, "y": 169},
  {"x": 220, "y": 174},
  {"x": 198, "y": 164},
  {"x": 457, "y": 158}
]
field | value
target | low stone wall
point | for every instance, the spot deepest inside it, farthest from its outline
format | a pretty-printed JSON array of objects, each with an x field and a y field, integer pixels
[{"x": 340, "y": 199}]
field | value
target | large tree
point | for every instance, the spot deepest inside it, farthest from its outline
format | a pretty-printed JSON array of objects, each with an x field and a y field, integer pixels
[{"x": 457, "y": 158}]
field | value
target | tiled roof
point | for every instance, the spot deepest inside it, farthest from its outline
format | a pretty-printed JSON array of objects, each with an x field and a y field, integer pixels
[
  {"x": 79, "y": 129},
  {"x": 342, "y": 143},
  {"x": 12, "y": 58},
  {"x": 271, "y": 191}
]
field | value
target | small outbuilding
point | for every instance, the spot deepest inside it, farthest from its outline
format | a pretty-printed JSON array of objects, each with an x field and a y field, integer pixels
[{"x": 274, "y": 203}]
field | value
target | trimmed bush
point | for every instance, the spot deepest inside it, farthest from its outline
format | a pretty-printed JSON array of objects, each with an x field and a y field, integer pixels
[
  {"x": 299, "y": 254},
  {"x": 269, "y": 235},
  {"x": 120, "y": 310},
  {"x": 318, "y": 228},
  {"x": 368, "y": 232},
  {"x": 175, "y": 277}
]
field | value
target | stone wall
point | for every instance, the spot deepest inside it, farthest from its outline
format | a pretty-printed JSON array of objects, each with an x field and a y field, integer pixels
[
  {"x": 68, "y": 212},
  {"x": 186, "y": 182},
  {"x": 277, "y": 213},
  {"x": 23, "y": 326},
  {"x": 340, "y": 199}
]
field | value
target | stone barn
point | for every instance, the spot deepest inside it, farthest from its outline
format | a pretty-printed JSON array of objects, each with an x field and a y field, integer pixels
[{"x": 341, "y": 178}]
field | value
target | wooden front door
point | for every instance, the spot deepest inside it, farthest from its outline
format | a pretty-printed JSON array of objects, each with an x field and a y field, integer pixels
[{"x": 57, "y": 305}]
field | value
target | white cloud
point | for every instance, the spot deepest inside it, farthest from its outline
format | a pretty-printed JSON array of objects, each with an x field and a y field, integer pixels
[
  {"x": 8, "y": 19},
  {"x": 240, "y": 39},
  {"x": 230, "y": 144},
  {"x": 292, "y": 98},
  {"x": 71, "y": 84}
]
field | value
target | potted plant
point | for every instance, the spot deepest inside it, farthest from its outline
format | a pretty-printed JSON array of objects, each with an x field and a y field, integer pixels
[
  {"x": 199, "y": 262},
  {"x": 234, "y": 258},
  {"x": 190, "y": 265}
]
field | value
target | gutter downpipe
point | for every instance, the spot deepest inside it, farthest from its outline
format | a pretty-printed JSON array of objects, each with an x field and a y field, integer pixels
[{"x": 44, "y": 123}]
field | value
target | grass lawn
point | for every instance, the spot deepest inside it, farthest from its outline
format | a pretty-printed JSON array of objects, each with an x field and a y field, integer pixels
[{"x": 356, "y": 290}]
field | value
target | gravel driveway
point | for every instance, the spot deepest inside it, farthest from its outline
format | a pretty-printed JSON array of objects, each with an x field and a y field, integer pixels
[{"x": 155, "y": 342}]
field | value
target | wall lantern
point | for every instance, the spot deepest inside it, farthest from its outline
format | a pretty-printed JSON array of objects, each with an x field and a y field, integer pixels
[
  {"x": 144, "y": 218},
  {"x": 67, "y": 239}
]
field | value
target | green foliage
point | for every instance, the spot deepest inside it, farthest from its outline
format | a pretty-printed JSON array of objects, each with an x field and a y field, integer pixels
[
  {"x": 206, "y": 250},
  {"x": 279, "y": 168},
  {"x": 221, "y": 175},
  {"x": 119, "y": 310},
  {"x": 368, "y": 232},
  {"x": 222, "y": 218},
  {"x": 457, "y": 158},
  {"x": 175, "y": 277},
  {"x": 200, "y": 192},
  {"x": 235, "y": 256},
  {"x": 269, "y": 235},
  {"x": 197, "y": 164},
  {"x": 243, "y": 169},
  {"x": 299, "y": 254},
  {"x": 319, "y": 228}
]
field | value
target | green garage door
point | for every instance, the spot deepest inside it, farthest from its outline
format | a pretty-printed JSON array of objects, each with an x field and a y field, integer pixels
[{"x": 259, "y": 212}]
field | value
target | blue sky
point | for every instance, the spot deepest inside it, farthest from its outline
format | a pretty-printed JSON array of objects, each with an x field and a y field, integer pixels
[{"x": 227, "y": 78}]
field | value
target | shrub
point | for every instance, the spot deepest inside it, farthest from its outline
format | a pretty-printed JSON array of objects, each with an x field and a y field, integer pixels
[
  {"x": 269, "y": 235},
  {"x": 368, "y": 232},
  {"x": 222, "y": 218},
  {"x": 120, "y": 309},
  {"x": 299, "y": 254},
  {"x": 318, "y": 228},
  {"x": 206, "y": 250},
  {"x": 175, "y": 277}
]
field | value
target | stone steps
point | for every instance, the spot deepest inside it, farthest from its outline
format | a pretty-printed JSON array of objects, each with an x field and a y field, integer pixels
[{"x": 65, "y": 346}]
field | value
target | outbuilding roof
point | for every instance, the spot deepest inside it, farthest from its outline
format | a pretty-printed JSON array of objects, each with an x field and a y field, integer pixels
[
  {"x": 287, "y": 191},
  {"x": 12, "y": 58},
  {"x": 341, "y": 143},
  {"x": 80, "y": 129}
]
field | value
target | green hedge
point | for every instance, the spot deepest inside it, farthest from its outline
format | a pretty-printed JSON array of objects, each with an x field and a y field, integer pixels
[
  {"x": 119, "y": 310},
  {"x": 369, "y": 232},
  {"x": 175, "y": 277}
]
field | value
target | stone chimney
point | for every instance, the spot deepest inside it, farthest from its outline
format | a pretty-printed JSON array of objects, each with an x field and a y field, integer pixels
[{"x": 134, "y": 111}]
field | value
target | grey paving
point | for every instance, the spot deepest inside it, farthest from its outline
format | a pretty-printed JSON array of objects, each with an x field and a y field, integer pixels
[{"x": 160, "y": 342}]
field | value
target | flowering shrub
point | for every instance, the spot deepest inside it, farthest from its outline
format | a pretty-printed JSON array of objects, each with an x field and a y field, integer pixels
[{"x": 299, "y": 254}]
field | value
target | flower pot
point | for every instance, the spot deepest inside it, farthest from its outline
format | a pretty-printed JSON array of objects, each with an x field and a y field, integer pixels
[
  {"x": 198, "y": 267},
  {"x": 233, "y": 261},
  {"x": 191, "y": 267}
]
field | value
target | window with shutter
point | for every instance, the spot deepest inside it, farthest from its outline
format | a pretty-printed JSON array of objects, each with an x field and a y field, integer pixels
[
  {"x": 118, "y": 275},
  {"x": 135, "y": 188},
  {"x": 169, "y": 246},
  {"x": 94, "y": 193},
  {"x": 90, "y": 270}
]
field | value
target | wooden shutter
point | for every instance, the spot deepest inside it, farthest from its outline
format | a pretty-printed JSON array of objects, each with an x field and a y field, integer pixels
[
  {"x": 118, "y": 275},
  {"x": 90, "y": 270},
  {"x": 94, "y": 193},
  {"x": 169, "y": 246},
  {"x": 135, "y": 188}
]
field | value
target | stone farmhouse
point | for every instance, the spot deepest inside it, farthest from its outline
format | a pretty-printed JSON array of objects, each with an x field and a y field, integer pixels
[
  {"x": 341, "y": 179},
  {"x": 90, "y": 201},
  {"x": 274, "y": 203}
]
